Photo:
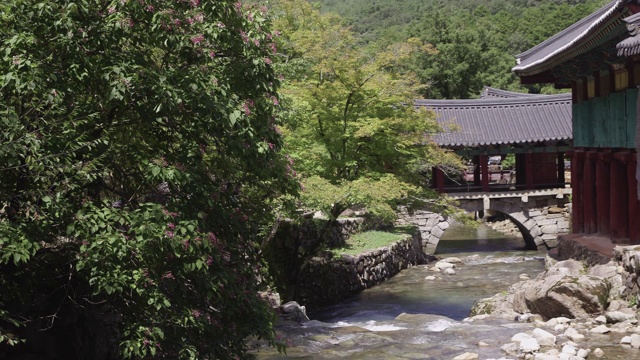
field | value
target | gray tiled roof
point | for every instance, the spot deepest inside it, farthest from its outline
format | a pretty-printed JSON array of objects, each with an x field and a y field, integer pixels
[
  {"x": 542, "y": 56},
  {"x": 494, "y": 121},
  {"x": 631, "y": 45},
  {"x": 492, "y": 93}
]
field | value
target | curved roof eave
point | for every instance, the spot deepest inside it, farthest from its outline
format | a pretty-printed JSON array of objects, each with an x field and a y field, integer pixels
[{"x": 565, "y": 39}]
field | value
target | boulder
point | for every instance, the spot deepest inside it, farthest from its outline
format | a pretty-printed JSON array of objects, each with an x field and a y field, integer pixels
[
  {"x": 573, "y": 334},
  {"x": 529, "y": 345},
  {"x": 293, "y": 311},
  {"x": 510, "y": 348},
  {"x": 566, "y": 267},
  {"x": 620, "y": 316},
  {"x": 569, "y": 349},
  {"x": 600, "y": 329},
  {"x": 570, "y": 296},
  {"x": 544, "y": 338}
]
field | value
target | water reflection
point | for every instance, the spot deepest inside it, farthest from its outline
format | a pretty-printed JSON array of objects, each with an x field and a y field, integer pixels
[{"x": 467, "y": 239}]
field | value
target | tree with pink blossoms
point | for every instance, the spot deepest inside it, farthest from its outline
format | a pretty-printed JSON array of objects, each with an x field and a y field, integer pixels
[{"x": 139, "y": 154}]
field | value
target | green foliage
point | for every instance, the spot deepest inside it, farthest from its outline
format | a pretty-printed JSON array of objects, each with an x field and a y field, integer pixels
[
  {"x": 140, "y": 149},
  {"x": 509, "y": 162},
  {"x": 475, "y": 41},
  {"x": 349, "y": 128}
]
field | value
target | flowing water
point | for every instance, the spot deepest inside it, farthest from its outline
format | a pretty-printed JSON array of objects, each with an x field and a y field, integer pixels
[{"x": 410, "y": 317}]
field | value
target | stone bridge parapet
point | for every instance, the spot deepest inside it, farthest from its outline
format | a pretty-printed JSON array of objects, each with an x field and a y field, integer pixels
[{"x": 539, "y": 215}]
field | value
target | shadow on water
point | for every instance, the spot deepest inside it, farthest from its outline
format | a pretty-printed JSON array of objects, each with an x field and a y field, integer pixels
[{"x": 480, "y": 239}]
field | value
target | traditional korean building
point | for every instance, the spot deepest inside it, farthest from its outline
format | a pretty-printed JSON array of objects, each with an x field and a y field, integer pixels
[
  {"x": 535, "y": 128},
  {"x": 598, "y": 59}
]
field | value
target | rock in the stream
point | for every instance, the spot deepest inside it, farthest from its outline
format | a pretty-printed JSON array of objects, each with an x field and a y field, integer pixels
[
  {"x": 569, "y": 349},
  {"x": 452, "y": 260},
  {"x": 600, "y": 319},
  {"x": 510, "y": 349},
  {"x": 635, "y": 341},
  {"x": 567, "y": 295},
  {"x": 544, "y": 338},
  {"x": 573, "y": 334},
  {"x": 293, "y": 311},
  {"x": 620, "y": 316},
  {"x": 467, "y": 356},
  {"x": 449, "y": 271},
  {"x": 598, "y": 353},
  {"x": 529, "y": 345},
  {"x": 561, "y": 291},
  {"x": 441, "y": 265},
  {"x": 583, "y": 353},
  {"x": 600, "y": 329}
]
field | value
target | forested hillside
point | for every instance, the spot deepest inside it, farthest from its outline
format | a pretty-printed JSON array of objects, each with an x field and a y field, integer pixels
[{"x": 475, "y": 40}]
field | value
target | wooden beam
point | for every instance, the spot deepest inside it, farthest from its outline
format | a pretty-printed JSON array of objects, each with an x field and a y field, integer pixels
[
  {"x": 528, "y": 158},
  {"x": 634, "y": 205},
  {"x": 603, "y": 191},
  {"x": 619, "y": 216},
  {"x": 577, "y": 191},
  {"x": 484, "y": 169},
  {"x": 589, "y": 191}
]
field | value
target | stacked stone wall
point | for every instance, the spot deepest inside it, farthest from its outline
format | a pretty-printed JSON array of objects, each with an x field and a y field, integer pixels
[
  {"x": 430, "y": 225},
  {"x": 324, "y": 280},
  {"x": 629, "y": 258},
  {"x": 540, "y": 221}
]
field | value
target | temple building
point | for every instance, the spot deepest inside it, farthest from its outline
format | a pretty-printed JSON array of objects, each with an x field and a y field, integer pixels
[
  {"x": 598, "y": 58},
  {"x": 535, "y": 130}
]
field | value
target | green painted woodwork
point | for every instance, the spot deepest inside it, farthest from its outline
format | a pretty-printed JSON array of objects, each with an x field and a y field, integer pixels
[
  {"x": 607, "y": 122},
  {"x": 632, "y": 98}
]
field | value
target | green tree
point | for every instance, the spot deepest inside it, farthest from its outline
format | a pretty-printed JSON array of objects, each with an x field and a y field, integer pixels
[
  {"x": 351, "y": 129},
  {"x": 139, "y": 155}
]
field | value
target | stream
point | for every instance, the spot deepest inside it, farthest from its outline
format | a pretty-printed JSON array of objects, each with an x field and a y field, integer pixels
[{"x": 410, "y": 317}]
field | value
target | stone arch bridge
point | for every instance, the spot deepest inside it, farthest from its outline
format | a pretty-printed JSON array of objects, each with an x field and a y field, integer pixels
[{"x": 540, "y": 215}]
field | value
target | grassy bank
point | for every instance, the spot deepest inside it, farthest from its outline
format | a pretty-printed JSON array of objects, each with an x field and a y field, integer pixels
[{"x": 369, "y": 240}]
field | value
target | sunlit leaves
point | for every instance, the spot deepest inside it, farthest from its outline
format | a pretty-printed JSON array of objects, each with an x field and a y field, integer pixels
[{"x": 350, "y": 127}]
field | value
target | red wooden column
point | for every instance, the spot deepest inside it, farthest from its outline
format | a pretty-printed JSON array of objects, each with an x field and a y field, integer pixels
[
  {"x": 634, "y": 206},
  {"x": 577, "y": 184},
  {"x": 439, "y": 179},
  {"x": 589, "y": 191},
  {"x": 484, "y": 169},
  {"x": 619, "y": 218},
  {"x": 561, "y": 168},
  {"x": 528, "y": 159},
  {"x": 603, "y": 194}
]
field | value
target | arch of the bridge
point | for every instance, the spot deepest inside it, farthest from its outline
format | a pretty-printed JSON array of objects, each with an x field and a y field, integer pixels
[{"x": 533, "y": 219}]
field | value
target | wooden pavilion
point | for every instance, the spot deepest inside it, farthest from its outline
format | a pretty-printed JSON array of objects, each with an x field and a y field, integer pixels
[
  {"x": 535, "y": 128},
  {"x": 598, "y": 58}
]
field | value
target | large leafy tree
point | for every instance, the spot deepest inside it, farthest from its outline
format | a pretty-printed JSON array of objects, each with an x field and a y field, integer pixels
[
  {"x": 138, "y": 157},
  {"x": 352, "y": 130}
]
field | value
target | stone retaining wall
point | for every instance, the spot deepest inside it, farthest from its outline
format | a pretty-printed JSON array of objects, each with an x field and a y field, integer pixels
[
  {"x": 629, "y": 258},
  {"x": 431, "y": 226},
  {"x": 324, "y": 281}
]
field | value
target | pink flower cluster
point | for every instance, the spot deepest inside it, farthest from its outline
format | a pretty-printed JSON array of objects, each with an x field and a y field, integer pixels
[
  {"x": 247, "y": 106},
  {"x": 197, "y": 39}
]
